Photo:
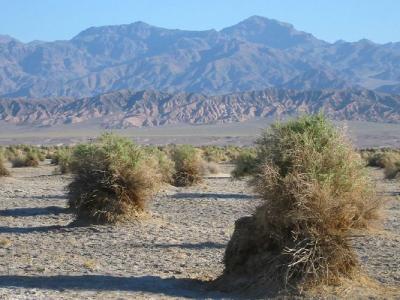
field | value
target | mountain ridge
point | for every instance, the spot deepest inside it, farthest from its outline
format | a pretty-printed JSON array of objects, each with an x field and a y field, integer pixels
[
  {"x": 254, "y": 54},
  {"x": 127, "y": 108}
]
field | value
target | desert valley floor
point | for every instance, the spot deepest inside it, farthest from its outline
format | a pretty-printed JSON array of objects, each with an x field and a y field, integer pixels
[{"x": 171, "y": 255}]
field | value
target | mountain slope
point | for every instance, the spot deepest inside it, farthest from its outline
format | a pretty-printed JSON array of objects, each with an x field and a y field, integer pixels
[
  {"x": 126, "y": 108},
  {"x": 255, "y": 54}
]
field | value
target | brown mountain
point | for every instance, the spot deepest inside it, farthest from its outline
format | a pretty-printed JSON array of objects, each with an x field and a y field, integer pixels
[{"x": 126, "y": 108}]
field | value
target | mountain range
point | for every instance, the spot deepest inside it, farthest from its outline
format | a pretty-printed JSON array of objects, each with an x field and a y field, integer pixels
[
  {"x": 254, "y": 54},
  {"x": 142, "y": 75},
  {"x": 126, "y": 108}
]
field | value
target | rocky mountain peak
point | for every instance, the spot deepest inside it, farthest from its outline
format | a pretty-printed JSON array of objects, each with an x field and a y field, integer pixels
[{"x": 270, "y": 32}]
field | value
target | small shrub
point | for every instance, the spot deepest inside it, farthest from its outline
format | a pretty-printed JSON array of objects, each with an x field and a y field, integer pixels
[
  {"x": 380, "y": 158},
  {"x": 388, "y": 159},
  {"x": 113, "y": 180},
  {"x": 245, "y": 164},
  {"x": 188, "y": 165},
  {"x": 315, "y": 191},
  {"x": 392, "y": 168},
  {"x": 3, "y": 169},
  {"x": 214, "y": 154},
  {"x": 63, "y": 158},
  {"x": 31, "y": 160},
  {"x": 165, "y": 165},
  {"x": 27, "y": 160},
  {"x": 212, "y": 168}
]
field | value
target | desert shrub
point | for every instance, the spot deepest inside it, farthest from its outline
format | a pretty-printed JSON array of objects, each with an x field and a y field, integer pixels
[
  {"x": 113, "y": 180},
  {"x": 221, "y": 154},
  {"x": 49, "y": 154},
  {"x": 388, "y": 159},
  {"x": 382, "y": 157},
  {"x": 3, "y": 169},
  {"x": 29, "y": 159},
  {"x": 392, "y": 168},
  {"x": 214, "y": 154},
  {"x": 245, "y": 164},
  {"x": 165, "y": 165},
  {"x": 12, "y": 152},
  {"x": 314, "y": 191},
  {"x": 211, "y": 168},
  {"x": 189, "y": 165},
  {"x": 63, "y": 158}
]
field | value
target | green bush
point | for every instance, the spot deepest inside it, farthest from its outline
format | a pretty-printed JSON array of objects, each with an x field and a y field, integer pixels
[
  {"x": 315, "y": 191},
  {"x": 113, "y": 180}
]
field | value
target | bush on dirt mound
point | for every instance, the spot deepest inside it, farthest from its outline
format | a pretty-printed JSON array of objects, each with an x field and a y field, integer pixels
[
  {"x": 315, "y": 192},
  {"x": 113, "y": 180}
]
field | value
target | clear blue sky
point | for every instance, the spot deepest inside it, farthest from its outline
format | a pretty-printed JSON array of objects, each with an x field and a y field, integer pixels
[{"x": 351, "y": 20}]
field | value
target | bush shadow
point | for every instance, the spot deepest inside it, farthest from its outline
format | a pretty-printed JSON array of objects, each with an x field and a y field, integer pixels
[{"x": 175, "y": 287}]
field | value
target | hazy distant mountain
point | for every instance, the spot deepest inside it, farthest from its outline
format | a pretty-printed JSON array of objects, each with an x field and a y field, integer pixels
[
  {"x": 391, "y": 89},
  {"x": 255, "y": 54},
  {"x": 127, "y": 108}
]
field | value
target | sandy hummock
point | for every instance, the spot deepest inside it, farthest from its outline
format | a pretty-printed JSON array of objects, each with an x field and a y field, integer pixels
[{"x": 170, "y": 255}]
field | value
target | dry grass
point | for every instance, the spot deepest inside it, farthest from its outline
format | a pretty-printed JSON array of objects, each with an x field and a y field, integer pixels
[
  {"x": 90, "y": 264},
  {"x": 5, "y": 242},
  {"x": 315, "y": 193},
  {"x": 113, "y": 180}
]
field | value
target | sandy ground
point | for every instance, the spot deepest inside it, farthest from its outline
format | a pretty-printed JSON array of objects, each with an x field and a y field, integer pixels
[{"x": 169, "y": 256}]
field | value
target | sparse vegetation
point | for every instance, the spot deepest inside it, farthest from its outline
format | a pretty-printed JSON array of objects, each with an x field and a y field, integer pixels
[
  {"x": 315, "y": 192},
  {"x": 189, "y": 165},
  {"x": 113, "y": 180}
]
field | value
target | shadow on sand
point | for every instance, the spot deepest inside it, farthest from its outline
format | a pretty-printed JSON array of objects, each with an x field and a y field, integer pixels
[
  {"x": 176, "y": 287},
  {"x": 30, "y": 229},
  {"x": 212, "y": 195},
  {"x": 33, "y": 211},
  {"x": 204, "y": 245}
]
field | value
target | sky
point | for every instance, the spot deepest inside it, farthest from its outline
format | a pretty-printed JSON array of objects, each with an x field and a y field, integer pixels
[{"x": 330, "y": 20}]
